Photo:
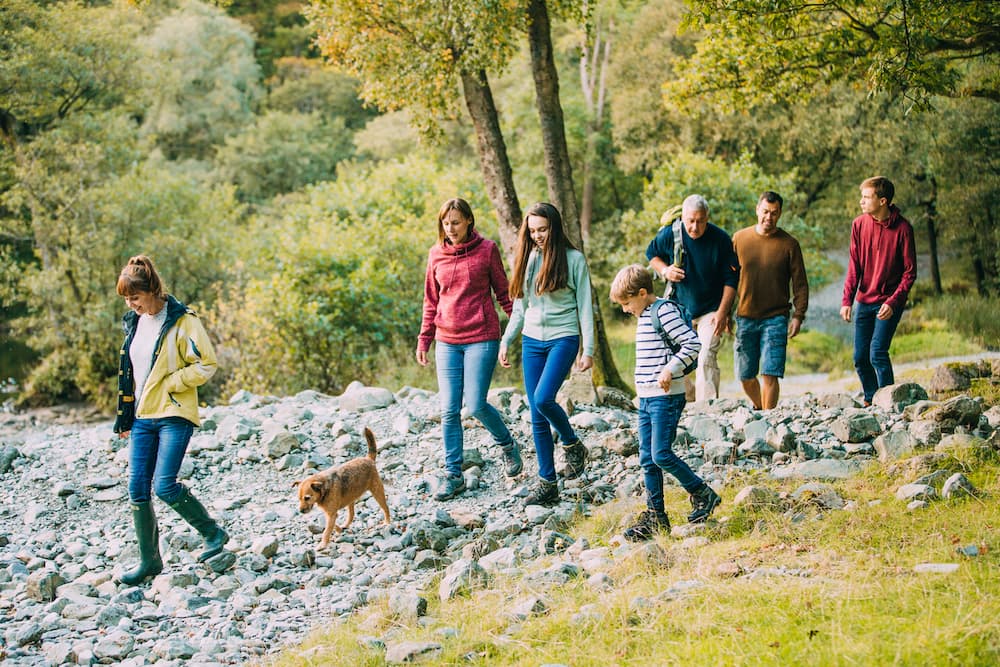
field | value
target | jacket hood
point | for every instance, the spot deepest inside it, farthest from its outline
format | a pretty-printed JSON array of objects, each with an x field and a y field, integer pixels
[
  {"x": 475, "y": 238},
  {"x": 174, "y": 311}
]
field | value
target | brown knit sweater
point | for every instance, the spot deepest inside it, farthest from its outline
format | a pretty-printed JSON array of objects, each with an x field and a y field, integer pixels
[{"x": 769, "y": 266}]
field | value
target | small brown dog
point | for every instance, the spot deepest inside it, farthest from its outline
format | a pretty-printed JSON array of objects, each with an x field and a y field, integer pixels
[{"x": 341, "y": 486}]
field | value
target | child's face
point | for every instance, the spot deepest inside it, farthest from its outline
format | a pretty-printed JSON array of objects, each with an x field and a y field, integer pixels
[
  {"x": 634, "y": 305},
  {"x": 538, "y": 229}
]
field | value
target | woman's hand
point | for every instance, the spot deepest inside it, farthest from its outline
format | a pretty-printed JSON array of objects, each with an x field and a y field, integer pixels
[
  {"x": 422, "y": 357},
  {"x": 502, "y": 356},
  {"x": 123, "y": 434},
  {"x": 585, "y": 362}
]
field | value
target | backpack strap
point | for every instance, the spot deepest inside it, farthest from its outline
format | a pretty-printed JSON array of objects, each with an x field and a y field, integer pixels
[
  {"x": 678, "y": 248},
  {"x": 654, "y": 316}
]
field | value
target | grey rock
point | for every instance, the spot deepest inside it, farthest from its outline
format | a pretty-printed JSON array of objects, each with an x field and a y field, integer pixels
[
  {"x": 894, "y": 445},
  {"x": 407, "y": 604},
  {"x": 916, "y": 492},
  {"x": 705, "y": 427},
  {"x": 957, "y": 411},
  {"x": 114, "y": 646},
  {"x": 397, "y": 653},
  {"x": 958, "y": 485},
  {"x": 359, "y": 398},
  {"x": 42, "y": 585},
  {"x": 756, "y": 496},
  {"x": 528, "y": 607},
  {"x": 8, "y": 455},
  {"x": 462, "y": 576},
  {"x": 925, "y": 431},
  {"x": 818, "y": 469},
  {"x": 781, "y": 438},
  {"x": 856, "y": 426},
  {"x": 720, "y": 451},
  {"x": 895, "y": 397}
]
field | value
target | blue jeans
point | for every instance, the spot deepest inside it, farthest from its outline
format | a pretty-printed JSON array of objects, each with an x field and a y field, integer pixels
[
  {"x": 464, "y": 372},
  {"x": 658, "y": 418},
  {"x": 872, "y": 338},
  {"x": 546, "y": 365},
  {"x": 760, "y": 346},
  {"x": 156, "y": 449}
]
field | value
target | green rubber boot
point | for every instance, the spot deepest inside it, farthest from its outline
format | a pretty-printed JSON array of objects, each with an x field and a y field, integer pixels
[
  {"x": 195, "y": 514},
  {"x": 150, "y": 563}
]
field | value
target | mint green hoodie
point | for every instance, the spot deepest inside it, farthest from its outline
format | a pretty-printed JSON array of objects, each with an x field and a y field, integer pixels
[{"x": 565, "y": 312}]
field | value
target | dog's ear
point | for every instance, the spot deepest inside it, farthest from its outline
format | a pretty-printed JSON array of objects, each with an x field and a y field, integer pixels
[
  {"x": 296, "y": 484},
  {"x": 318, "y": 487}
]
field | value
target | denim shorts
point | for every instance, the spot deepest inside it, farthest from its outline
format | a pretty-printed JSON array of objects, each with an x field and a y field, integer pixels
[{"x": 760, "y": 346}]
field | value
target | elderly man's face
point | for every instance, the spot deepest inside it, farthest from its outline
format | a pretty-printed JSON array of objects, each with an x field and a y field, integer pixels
[{"x": 695, "y": 222}]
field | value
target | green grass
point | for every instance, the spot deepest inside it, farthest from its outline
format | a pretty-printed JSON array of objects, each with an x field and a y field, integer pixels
[{"x": 862, "y": 603}]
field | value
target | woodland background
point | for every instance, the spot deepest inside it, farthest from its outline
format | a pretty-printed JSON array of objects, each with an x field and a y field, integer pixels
[{"x": 283, "y": 162}]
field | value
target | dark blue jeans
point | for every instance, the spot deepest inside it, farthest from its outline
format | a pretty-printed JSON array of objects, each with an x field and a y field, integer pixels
[
  {"x": 464, "y": 372},
  {"x": 156, "y": 450},
  {"x": 872, "y": 338},
  {"x": 658, "y": 418},
  {"x": 546, "y": 365}
]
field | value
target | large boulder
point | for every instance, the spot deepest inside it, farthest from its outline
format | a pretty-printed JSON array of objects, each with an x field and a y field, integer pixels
[{"x": 895, "y": 397}]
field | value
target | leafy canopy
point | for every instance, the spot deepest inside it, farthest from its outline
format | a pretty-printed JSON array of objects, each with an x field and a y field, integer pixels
[{"x": 753, "y": 51}]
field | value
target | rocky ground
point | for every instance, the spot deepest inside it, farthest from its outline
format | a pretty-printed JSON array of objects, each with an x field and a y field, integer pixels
[{"x": 65, "y": 529}]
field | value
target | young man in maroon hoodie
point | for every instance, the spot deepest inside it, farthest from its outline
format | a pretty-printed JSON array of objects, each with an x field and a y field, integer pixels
[{"x": 881, "y": 271}]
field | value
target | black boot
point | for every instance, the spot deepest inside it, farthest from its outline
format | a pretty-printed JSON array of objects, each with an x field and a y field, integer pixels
[
  {"x": 150, "y": 563},
  {"x": 703, "y": 503},
  {"x": 544, "y": 493},
  {"x": 195, "y": 514},
  {"x": 646, "y": 525}
]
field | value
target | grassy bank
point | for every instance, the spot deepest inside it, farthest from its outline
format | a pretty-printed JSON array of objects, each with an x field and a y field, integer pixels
[{"x": 796, "y": 587}]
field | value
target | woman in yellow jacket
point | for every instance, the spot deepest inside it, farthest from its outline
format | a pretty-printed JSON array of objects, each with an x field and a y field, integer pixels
[{"x": 166, "y": 356}]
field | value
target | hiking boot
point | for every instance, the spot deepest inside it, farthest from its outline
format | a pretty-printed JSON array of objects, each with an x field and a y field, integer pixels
[
  {"x": 703, "y": 502},
  {"x": 646, "y": 525},
  {"x": 545, "y": 493},
  {"x": 575, "y": 456},
  {"x": 512, "y": 459},
  {"x": 450, "y": 486}
]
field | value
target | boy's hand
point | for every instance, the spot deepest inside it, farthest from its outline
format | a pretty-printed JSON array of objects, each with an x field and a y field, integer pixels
[{"x": 665, "y": 379}]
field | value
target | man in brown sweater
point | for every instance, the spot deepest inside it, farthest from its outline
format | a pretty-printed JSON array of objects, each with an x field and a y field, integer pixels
[{"x": 772, "y": 272}]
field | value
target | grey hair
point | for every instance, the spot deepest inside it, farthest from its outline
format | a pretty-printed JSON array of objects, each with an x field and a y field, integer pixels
[{"x": 695, "y": 203}]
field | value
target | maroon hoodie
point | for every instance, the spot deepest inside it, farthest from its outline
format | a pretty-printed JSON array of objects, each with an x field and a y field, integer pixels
[
  {"x": 458, "y": 293},
  {"x": 883, "y": 263}
]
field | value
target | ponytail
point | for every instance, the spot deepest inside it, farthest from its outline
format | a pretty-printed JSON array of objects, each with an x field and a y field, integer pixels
[{"x": 139, "y": 275}]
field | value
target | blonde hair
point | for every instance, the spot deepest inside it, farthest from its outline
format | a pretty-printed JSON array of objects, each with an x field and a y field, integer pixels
[
  {"x": 139, "y": 275},
  {"x": 629, "y": 281}
]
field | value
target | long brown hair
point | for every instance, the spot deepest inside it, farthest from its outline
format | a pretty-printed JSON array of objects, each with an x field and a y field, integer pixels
[
  {"x": 554, "y": 274},
  {"x": 139, "y": 275}
]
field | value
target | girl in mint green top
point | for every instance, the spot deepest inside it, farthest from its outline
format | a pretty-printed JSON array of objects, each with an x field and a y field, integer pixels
[{"x": 554, "y": 313}]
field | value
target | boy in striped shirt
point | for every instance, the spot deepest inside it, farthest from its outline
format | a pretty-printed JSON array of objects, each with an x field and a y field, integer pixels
[{"x": 659, "y": 383}]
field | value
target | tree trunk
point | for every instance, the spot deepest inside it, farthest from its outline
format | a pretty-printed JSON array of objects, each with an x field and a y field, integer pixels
[
  {"x": 559, "y": 173},
  {"x": 493, "y": 159},
  {"x": 593, "y": 77},
  {"x": 558, "y": 170},
  {"x": 928, "y": 201}
]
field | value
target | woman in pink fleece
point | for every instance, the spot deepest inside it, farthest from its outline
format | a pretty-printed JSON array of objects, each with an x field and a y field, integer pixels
[{"x": 464, "y": 272}]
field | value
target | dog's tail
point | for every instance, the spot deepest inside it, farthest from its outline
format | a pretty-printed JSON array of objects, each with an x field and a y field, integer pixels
[{"x": 370, "y": 437}]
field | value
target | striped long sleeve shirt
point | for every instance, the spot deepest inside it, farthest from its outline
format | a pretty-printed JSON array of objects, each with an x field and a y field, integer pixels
[{"x": 652, "y": 353}]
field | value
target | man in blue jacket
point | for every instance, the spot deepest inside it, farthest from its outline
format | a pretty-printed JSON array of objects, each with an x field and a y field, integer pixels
[{"x": 696, "y": 259}]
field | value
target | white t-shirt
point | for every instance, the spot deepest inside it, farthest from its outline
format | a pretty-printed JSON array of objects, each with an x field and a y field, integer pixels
[{"x": 141, "y": 350}]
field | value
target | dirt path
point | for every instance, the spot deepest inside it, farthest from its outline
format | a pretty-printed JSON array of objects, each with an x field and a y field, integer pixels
[{"x": 822, "y": 383}]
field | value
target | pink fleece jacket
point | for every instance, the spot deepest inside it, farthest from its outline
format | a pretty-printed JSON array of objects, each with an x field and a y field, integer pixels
[{"x": 458, "y": 293}]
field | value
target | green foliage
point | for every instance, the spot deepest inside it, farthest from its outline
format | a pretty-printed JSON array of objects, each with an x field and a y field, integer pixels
[
  {"x": 282, "y": 152},
  {"x": 732, "y": 190},
  {"x": 753, "y": 51},
  {"x": 970, "y": 316},
  {"x": 306, "y": 86},
  {"x": 202, "y": 82},
  {"x": 409, "y": 53},
  {"x": 340, "y": 291}
]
